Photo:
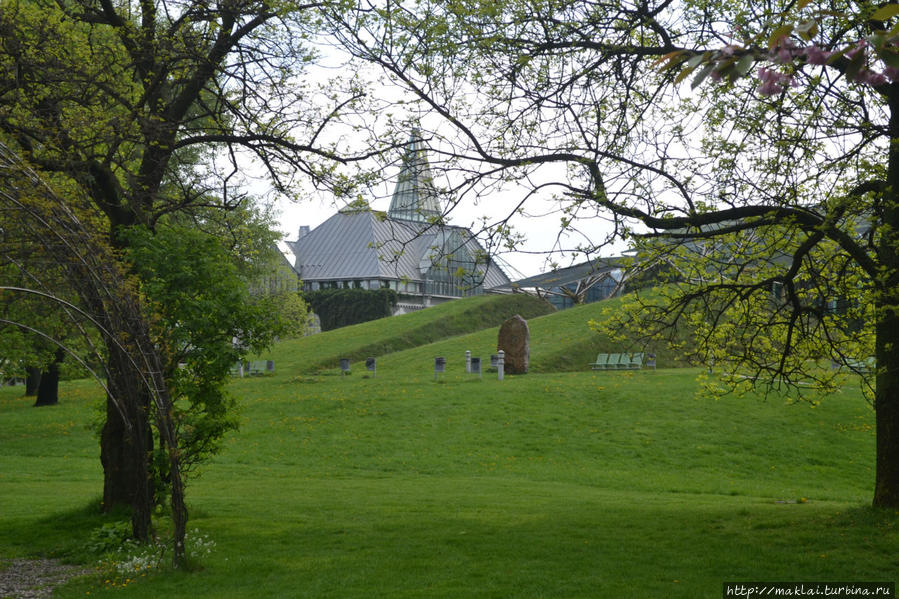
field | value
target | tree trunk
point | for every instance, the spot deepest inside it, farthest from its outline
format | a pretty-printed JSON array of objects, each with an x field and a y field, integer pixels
[
  {"x": 32, "y": 380},
  {"x": 886, "y": 406},
  {"x": 886, "y": 283},
  {"x": 126, "y": 447},
  {"x": 48, "y": 388},
  {"x": 119, "y": 472}
]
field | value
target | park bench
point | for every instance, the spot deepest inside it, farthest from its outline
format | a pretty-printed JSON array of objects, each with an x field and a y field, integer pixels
[
  {"x": 254, "y": 368},
  {"x": 618, "y": 362},
  {"x": 601, "y": 361},
  {"x": 636, "y": 361},
  {"x": 866, "y": 366}
]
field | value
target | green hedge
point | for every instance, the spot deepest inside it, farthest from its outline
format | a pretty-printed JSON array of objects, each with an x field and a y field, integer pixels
[{"x": 342, "y": 307}]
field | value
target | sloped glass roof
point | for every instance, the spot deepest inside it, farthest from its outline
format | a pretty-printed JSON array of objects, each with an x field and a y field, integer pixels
[{"x": 414, "y": 197}]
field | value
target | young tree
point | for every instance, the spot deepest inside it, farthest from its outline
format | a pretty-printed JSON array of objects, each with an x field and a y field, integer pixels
[
  {"x": 204, "y": 321},
  {"x": 756, "y": 142}
]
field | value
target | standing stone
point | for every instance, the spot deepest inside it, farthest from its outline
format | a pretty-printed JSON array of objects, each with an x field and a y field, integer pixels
[{"x": 514, "y": 339}]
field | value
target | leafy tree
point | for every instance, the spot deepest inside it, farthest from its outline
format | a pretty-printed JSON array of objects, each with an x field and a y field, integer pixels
[
  {"x": 146, "y": 110},
  {"x": 28, "y": 355},
  {"x": 756, "y": 144},
  {"x": 204, "y": 321},
  {"x": 37, "y": 222}
]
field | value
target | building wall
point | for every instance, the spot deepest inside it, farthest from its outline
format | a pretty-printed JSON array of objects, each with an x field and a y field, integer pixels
[{"x": 281, "y": 278}]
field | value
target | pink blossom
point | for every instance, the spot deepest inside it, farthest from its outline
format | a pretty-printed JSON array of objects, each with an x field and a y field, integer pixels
[
  {"x": 872, "y": 78},
  {"x": 891, "y": 73},
  {"x": 859, "y": 47},
  {"x": 773, "y": 82},
  {"x": 768, "y": 75},
  {"x": 816, "y": 55},
  {"x": 770, "y": 88},
  {"x": 784, "y": 51}
]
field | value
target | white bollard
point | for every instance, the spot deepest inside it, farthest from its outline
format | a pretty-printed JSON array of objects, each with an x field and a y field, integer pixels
[
  {"x": 467, "y": 362},
  {"x": 500, "y": 364}
]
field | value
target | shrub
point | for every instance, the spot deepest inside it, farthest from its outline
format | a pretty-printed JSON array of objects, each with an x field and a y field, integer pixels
[{"x": 342, "y": 307}]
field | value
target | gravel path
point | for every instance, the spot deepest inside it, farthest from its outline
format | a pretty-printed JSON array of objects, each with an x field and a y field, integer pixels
[{"x": 34, "y": 578}]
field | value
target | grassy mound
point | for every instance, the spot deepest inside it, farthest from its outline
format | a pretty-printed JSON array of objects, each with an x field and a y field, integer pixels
[
  {"x": 388, "y": 335},
  {"x": 559, "y": 342}
]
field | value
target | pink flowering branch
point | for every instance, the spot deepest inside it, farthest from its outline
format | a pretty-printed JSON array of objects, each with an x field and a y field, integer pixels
[{"x": 873, "y": 61}]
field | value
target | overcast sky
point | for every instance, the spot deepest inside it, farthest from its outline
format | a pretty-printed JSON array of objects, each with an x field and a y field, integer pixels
[{"x": 540, "y": 226}]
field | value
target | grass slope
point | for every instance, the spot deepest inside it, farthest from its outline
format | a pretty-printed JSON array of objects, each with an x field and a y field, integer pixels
[
  {"x": 577, "y": 484},
  {"x": 388, "y": 335},
  {"x": 559, "y": 341}
]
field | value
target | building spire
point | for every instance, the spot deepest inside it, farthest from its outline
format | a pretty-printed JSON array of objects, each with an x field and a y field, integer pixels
[{"x": 414, "y": 197}]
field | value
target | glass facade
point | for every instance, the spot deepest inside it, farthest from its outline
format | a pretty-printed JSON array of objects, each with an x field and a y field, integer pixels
[
  {"x": 598, "y": 292},
  {"x": 455, "y": 272}
]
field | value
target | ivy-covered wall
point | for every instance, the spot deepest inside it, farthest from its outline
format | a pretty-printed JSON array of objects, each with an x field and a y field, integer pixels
[{"x": 341, "y": 307}]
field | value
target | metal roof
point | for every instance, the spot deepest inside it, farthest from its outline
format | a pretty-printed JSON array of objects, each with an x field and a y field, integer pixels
[
  {"x": 404, "y": 243},
  {"x": 571, "y": 274},
  {"x": 369, "y": 245}
]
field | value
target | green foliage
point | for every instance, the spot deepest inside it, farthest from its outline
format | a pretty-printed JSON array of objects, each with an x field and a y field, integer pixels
[
  {"x": 292, "y": 312},
  {"x": 109, "y": 537},
  {"x": 725, "y": 302},
  {"x": 30, "y": 268},
  {"x": 341, "y": 307},
  {"x": 249, "y": 231},
  {"x": 204, "y": 320}
]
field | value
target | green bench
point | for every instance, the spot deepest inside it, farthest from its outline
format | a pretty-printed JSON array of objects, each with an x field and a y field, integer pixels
[
  {"x": 618, "y": 361},
  {"x": 865, "y": 366},
  {"x": 253, "y": 368}
]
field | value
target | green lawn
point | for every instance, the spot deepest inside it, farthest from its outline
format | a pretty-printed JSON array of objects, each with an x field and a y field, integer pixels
[{"x": 578, "y": 484}]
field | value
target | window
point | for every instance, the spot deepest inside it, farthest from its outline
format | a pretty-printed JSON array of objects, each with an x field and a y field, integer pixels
[{"x": 455, "y": 271}]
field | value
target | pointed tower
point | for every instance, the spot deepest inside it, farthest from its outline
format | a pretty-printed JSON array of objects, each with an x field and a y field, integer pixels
[{"x": 415, "y": 197}]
